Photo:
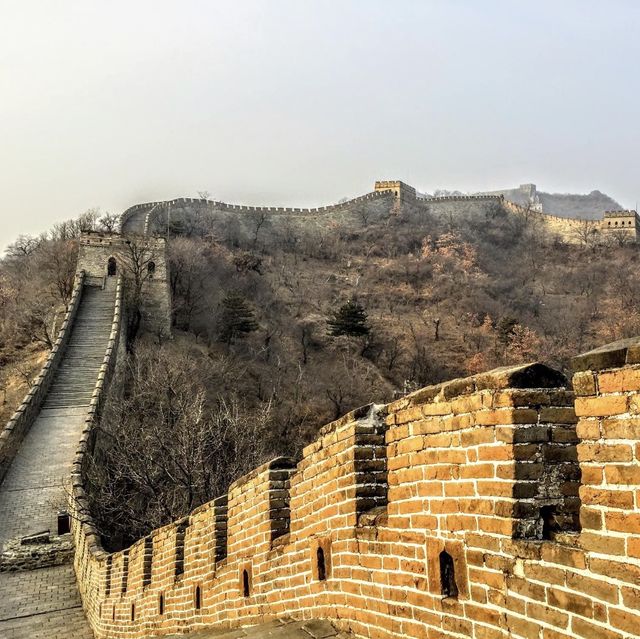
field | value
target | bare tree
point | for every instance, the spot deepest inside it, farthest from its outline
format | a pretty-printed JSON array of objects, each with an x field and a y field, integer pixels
[
  {"x": 586, "y": 232},
  {"x": 57, "y": 259},
  {"x": 25, "y": 245},
  {"x": 109, "y": 222},
  {"x": 167, "y": 446},
  {"x": 258, "y": 220},
  {"x": 136, "y": 258}
]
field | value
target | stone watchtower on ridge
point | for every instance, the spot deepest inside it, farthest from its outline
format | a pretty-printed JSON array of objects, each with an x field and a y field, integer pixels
[
  {"x": 621, "y": 223},
  {"x": 142, "y": 263},
  {"x": 401, "y": 191}
]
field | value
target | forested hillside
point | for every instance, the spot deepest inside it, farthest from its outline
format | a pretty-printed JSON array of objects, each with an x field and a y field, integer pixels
[{"x": 283, "y": 323}]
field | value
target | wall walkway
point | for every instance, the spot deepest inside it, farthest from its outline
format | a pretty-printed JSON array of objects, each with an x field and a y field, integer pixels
[{"x": 38, "y": 594}]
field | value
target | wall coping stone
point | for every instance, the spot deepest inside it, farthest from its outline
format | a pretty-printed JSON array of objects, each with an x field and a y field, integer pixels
[
  {"x": 613, "y": 355},
  {"x": 523, "y": 376}
]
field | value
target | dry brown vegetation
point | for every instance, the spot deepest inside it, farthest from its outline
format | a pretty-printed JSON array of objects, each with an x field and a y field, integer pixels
[{"x": 444, "y": 297}]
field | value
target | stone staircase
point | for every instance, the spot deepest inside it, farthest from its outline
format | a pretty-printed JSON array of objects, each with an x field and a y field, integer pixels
[
  {"x": 76, "y": 376},
  {"x": 44, "y": 602}
]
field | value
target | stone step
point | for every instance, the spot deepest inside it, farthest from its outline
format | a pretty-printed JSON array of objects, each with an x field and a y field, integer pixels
[{"x": 77, "y": 373}]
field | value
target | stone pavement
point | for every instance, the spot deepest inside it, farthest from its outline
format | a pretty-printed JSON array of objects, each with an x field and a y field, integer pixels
[
  {"x": 41, "y": 604},
  {"x": 276, "y": 629},
  {"x": 45, "y": 602},
  {"x": 32, "y": 492}
]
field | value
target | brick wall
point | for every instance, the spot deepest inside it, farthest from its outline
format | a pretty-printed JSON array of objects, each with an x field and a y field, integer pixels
[{"x": 484, "y": 507}]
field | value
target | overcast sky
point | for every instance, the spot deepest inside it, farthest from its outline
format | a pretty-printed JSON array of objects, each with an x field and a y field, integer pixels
[{"x": 301, "y": 102}]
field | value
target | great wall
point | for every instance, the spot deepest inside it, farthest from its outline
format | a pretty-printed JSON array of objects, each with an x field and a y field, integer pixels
[
  {"x": 502, "y": 505},
  {"x": 153, "y": 216}
]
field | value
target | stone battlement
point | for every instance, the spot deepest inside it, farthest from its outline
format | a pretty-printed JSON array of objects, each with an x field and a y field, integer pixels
[
  {"x": 138, "y": 218},
  {"x": 496, "y": 506},
  {"x": 245, "y": 209},
  {"x": 400, "y": 190},
  {"x": 464, "y": 198},
  {"x": 622, "y": 213}
]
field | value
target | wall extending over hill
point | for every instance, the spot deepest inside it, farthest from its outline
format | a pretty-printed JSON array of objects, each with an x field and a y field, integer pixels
[
  {"x": 572, "y": 231},
  {"x": 389, "y": 197},
  {"x": 461, "y": 205},
  {"x": 497, "y": 506},
  {"x": 131, "y": 215}
]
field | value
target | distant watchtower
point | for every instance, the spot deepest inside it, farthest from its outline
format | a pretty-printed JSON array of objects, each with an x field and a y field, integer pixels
[
  {"x": 103, "y": 256},
  {"x": 401, "y": 191},
  {"x": 621, "y": 222}
]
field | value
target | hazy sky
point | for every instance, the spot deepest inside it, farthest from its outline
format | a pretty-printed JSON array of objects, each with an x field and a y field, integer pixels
[{"x": 301, "y": 102}]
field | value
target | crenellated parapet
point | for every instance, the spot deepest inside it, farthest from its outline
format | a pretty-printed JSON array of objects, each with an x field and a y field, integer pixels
[
  {"x": 155, "y": 217},
  {"x": 500, "y": 505},
  {"x": 498, "y": 199},
  {"x": 136, "y": 218}
]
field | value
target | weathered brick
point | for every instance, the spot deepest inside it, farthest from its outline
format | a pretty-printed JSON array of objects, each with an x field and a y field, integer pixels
[
  {"x": 626, "y": 379},
  {"x": 601, "y": 406},
  {"x": 584, "y": 383},
  {"x": 604, "y": 497},
  {"x": 605, "y": 452}
]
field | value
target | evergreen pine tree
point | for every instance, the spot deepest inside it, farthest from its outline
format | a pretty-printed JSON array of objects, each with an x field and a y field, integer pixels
[
  {"x": 349, "y": 319},
  {"x": 236, "y": 319}
]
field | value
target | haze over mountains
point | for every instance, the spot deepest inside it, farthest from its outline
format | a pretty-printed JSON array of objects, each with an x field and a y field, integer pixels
[
  {"x": 589, "y": 206},
  {"x": 586, "y": 206}
]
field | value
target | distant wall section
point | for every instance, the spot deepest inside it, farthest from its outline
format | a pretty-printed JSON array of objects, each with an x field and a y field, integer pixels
[{"x": 386, "y": 199}]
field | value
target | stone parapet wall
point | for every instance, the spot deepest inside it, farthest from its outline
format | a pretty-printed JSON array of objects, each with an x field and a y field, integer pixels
[
  {"x": 463, "y": 198},
  {"x": 243, "y": 209},
  {"x": 485, "y": 507},
  {"x": 78, "y": 504},
  {"x": 21, "y": 421},
  {"x": 621, "y": 213},
  {"x": 571, "y": 230},
  {"x": 141, "y": 218}
]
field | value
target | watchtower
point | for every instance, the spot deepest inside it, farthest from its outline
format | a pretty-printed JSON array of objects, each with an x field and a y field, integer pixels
[
  {"x": 400, "y": 190},
  {"x": 621, "y": 222},
  {"x": 141, "y": 261}
]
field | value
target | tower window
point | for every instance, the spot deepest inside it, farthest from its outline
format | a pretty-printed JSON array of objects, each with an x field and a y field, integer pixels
[
  {"x": 245, "y": 583},
  {"x": 322, "y": 566},
  {"x": 447, "y": 575}
]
